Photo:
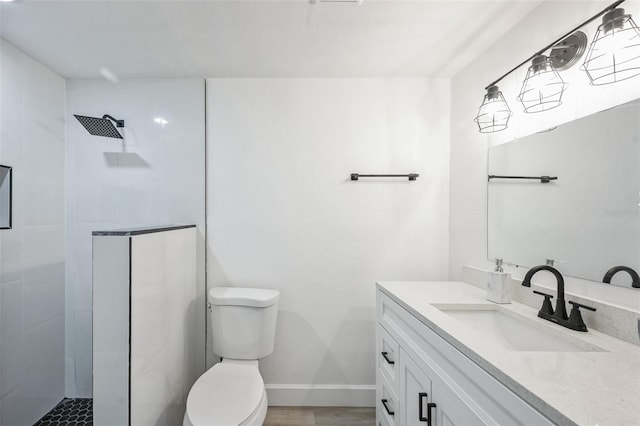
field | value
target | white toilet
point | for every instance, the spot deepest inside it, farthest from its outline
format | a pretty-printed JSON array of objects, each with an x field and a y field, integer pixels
[{"x": 231, "y": 393}]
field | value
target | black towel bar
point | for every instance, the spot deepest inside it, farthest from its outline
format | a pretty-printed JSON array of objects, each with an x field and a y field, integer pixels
[
  {"x": 411, "y": 176},
  {"x": 542, "y": 179}
]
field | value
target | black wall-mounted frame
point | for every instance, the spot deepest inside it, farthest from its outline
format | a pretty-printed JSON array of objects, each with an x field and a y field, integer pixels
[{"x": 6, "y": 196}]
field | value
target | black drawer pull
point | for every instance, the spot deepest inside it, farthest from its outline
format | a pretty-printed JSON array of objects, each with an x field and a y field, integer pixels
[
  {"x": 384, "y": 403},
  {"x": 421, "y": 416},
  {"x": 389, "y": 361}
]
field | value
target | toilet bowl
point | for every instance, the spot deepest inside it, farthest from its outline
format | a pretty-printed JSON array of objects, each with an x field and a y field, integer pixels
[{"x": 232, "y": 392}]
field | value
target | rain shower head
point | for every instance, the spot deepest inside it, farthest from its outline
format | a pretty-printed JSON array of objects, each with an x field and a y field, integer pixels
[{"x": 101, "y": 126}]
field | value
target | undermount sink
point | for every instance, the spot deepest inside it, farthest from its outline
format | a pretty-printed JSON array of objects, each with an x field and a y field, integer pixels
[{"x": 513, "y": 332}]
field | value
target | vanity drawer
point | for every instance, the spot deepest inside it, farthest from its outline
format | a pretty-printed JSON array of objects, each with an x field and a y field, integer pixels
[
  {"x": 387, "y": 403},
  {"x": 387, "y": 357}
]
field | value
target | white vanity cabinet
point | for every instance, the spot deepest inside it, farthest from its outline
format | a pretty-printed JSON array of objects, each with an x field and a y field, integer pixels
[
  {"x": 413, "y": 401},
  {"x": 424, "y": 380}
]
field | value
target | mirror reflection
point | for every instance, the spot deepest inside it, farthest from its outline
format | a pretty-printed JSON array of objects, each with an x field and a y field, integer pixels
[{"x": 586, "y": 221}]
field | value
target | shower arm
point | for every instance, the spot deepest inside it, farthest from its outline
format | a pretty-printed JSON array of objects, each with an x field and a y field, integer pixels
[{"x": 119, "y": 123}]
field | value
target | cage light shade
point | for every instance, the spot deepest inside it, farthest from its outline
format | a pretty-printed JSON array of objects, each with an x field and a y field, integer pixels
[
  {"x": 494, "y": 112},
  {"x": 614, "y": 53},
  {"x": 543, "y": 87}
]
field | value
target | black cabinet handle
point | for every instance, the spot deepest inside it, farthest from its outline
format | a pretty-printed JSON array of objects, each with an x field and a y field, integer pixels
[
  {"x": 389, "y": 361},
  {"x": 429, "y": 407},
  {"x": 384, "y": 403},
  {"x": 421, "y": 416}
]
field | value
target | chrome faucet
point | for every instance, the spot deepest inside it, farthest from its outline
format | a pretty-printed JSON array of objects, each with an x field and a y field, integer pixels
[
  {"x": 635, "y": 279},
  {"x": 559, "y": 316}
]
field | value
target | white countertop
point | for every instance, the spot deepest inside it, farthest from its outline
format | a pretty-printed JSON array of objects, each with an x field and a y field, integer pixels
[{"x": 584, "y": 388}]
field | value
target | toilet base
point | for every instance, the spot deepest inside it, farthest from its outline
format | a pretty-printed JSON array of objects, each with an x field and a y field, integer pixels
[{"x": 256, "y": 418}]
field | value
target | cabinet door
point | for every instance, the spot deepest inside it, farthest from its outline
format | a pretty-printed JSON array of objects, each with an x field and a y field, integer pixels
[
  {"x": 452, "y": 408},
  {"x": 415, "y": 392}
]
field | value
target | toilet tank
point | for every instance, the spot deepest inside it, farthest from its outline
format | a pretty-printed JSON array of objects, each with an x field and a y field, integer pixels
[{"x": 243, "y": 321}]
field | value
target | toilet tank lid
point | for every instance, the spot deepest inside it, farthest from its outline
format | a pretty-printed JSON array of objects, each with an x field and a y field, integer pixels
[{"x": 237, "y": 296}]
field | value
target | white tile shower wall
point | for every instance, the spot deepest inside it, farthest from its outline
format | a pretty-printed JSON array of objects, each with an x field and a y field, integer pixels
[
  {"x": 163, "y": 318},
  {"x": 155, "y": 177},
  {"x": 283, "y": 214},
  {"x": 32, "y": 253},
  {"x": 468, "y": 244},
  {"x": 159, "y": 271}
]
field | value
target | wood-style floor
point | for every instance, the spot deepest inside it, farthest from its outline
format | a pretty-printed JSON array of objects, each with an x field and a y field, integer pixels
[{"x": 320, "y": 416}]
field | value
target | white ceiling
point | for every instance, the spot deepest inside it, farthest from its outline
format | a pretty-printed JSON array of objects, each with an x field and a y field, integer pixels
[{"x": 136, "y": 39}]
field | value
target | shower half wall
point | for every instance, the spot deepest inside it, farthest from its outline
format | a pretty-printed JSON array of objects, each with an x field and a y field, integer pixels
[{"x": 144, "y": 319}]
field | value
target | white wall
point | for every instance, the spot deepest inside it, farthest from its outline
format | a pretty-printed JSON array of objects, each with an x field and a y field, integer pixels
[
  {"x": 283, "y": 214},
  {"x": 32, "y": 254},
  {"x": 468, "y": 226},
  {"x": 156, "y": 177}
]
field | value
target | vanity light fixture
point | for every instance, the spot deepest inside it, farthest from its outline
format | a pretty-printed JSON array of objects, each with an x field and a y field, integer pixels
[
  {"x": 614, "y": 53},
  {"x": 542, "y": 89},
  {"x": 494, "y": 112}
]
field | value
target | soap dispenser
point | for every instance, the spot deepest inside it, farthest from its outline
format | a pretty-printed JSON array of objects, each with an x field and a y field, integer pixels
[{"x": 499, "y": 285}]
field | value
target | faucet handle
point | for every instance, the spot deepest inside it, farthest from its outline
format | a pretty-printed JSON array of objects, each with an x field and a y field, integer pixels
[
  {"x": 543, "y": 294},
  {"x": 575, "y": 318},
  {"x": 577, "y": 305},
  {"x": 546, "y": 304}
]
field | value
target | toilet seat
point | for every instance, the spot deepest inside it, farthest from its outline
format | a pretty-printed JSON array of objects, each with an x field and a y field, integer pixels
[{"x": 230, "y": 393}]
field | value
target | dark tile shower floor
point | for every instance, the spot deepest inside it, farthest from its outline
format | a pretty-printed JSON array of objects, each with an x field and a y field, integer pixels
[
  {"x": 69, "y": 412},
  {"x": 78, "y": 412}
]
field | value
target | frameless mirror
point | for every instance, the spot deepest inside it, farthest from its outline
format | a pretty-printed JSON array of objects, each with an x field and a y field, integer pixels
[
  {"x": 5, "y": 197},
  {"x": 585, "y": 221}
]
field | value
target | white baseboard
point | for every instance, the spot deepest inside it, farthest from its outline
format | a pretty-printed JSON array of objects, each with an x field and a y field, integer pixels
[{"x": 322, "y": 395}]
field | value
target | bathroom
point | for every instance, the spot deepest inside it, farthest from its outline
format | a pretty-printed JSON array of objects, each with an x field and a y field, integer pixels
[{"x": 247, "y": 119}]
